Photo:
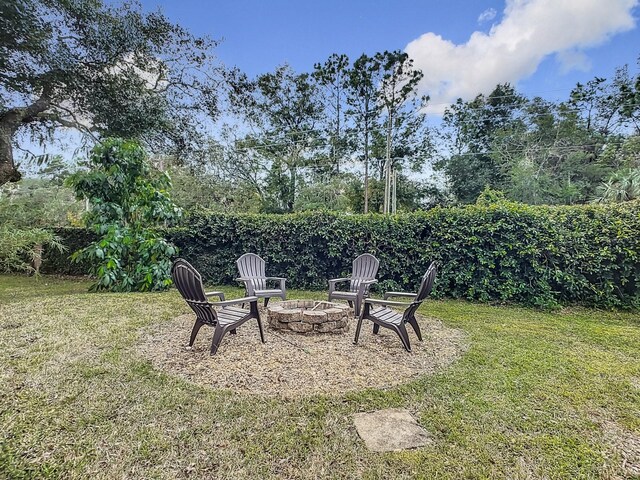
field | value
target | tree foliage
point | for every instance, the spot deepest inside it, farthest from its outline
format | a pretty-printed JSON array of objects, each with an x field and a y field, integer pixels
[
  {"x": 470, "y": 128},
  {"x": 306, "y": 129},
  {"x": 21, "y": 249},
  {"x": 543, "y": 152},
  {"x": 37, "y": 202},
  {"x": 283, "y": 109},
  {"x": 291, "y": 138},
  {"x": 100, "y": 69},
  {"x": 332, "y": 77},
  {"x": 129, "y": 202}
]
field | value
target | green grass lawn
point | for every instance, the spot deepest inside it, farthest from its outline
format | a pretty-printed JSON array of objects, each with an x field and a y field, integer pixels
[{"x": 536, "y": 395}]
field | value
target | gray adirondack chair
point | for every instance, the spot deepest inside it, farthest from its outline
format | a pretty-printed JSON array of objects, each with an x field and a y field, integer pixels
[
  {"x": 226, "y": 319},
  {"x": 363, "y": 274},
  {"x": 252, "y": 273},
  {"x": 382, "y": 316}
]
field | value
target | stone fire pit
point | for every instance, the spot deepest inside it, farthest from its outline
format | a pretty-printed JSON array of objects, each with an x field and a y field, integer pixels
[{"x": 309, "y": 316}]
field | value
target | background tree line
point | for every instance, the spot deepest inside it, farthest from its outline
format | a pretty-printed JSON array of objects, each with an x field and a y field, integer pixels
[{"x": 288, "y": 141}]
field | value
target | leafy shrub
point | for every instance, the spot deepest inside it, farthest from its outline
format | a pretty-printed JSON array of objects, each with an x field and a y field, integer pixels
[
  {"x": 129, "y": 201},
  {"x": 38, "y": 202},
  {"x": 21, "y": 249},
  {"x": 503, "y": 251},
  {"x": 622, "y": 186},
  {"x": 495, "y": 251}
]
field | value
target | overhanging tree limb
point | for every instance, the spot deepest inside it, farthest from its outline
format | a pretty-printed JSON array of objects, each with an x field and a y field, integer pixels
[{"x": 100, "y": 60}]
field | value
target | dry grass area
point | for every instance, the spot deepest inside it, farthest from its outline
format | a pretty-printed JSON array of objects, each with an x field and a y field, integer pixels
[
  {"x": 624, "y": 445},
  {"x": 290, "y": 365},
  {"x": 534, "y": 395}
]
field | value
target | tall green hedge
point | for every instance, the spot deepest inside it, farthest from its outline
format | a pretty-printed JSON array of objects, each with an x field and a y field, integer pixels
[
  {"x": 54, "y": 262},
  {"x": 534, "y": 255}
]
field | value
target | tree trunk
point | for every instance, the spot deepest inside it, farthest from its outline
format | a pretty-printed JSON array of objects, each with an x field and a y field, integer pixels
[
  {"x": 37, "y": 258},
  {"x": 8, "y": 171},
  {"x": 10, "y": 121},
  {"x": 387, "y": 168},
  {"x": 336, "y": 159},
  {"x": 292, "y": 188},
  {"x": 366, "y": 162}
]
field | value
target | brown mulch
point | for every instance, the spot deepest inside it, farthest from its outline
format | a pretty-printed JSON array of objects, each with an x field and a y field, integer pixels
[{"x": 292, "y": 365}]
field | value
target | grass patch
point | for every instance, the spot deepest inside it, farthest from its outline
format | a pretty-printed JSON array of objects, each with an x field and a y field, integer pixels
[{"x": 531, "y": 398}]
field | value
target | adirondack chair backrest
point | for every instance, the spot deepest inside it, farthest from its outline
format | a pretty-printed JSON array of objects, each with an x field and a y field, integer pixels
[
  {"x": 251, "y": 266},
  {"x": 427, "y": 282},
  {"x": 188, "y": 281},
  {"x": 425, "y": 289},
  {"x": 365, "y": 267}
]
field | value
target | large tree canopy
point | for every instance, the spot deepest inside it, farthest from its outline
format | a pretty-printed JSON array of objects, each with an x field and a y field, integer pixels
[
  {"x": 537, "y": 151},
  {"x": 101, "y": 70},
  {"x": 283, "y": 111}
]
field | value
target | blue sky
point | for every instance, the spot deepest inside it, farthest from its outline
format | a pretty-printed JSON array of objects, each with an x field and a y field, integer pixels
[{"x": 563, "y": 41}]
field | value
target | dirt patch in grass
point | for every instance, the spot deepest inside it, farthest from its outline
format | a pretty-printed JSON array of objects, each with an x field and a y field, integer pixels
[
  {"x": 291, "y": 365},
  {"x": 625, "y": 444}
]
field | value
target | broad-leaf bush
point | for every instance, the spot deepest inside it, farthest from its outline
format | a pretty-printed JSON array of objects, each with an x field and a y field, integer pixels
[
  {"x": 501, "y": 251},
  {"x": 492, "y": 251},
  {"x": 129, "y": 202}
]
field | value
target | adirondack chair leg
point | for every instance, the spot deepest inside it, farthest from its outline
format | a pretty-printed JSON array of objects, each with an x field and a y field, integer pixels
[
  {"x": 358, "y": 327},
  {"x": 358, "y": 307},
  {"x": 194, "y": 332},
  {"x": 376, "y": 328},
  {"x": 404, "y": 336},
  {"x": 350, "y": 303},
  {"x": 266, "y": 301},
  {"x": 416, "y": 328},
  {"x": 260, "y": 329},
  {"x": 217, "y": 339},
  {"x": 255, "y": 313}
]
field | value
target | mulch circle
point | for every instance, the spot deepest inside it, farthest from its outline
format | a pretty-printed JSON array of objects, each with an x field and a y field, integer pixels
[{"x": 292, "y": 365}]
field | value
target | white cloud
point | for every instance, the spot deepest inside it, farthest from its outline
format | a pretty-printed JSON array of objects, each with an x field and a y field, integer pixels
[
  {"x": 529, "y": 31},
  {"x": 573, "y": 60},
  {"x": 488, "y": 15}
]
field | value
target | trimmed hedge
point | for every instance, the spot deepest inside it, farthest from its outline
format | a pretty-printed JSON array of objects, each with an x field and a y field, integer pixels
[
  {"x": 534, "y": 255},
  {"x": 54, "y": 262}
]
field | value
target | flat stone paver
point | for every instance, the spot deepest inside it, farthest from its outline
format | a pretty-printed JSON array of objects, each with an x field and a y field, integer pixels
[{"x": 390, "y": 430}]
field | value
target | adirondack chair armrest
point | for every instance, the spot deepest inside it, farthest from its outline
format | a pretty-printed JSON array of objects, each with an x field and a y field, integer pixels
[
  {"x": 235, "y": 301},
  {"x": 399, "y": 294},
  {"x": 375, "y": 301},
  {"x": 364, "y": 286},
  {"x": 216, "y": 294},
  {"x": 247, "y": 281},
  {"x": 280, "y": 280},
  {"x": 333, "y": 281},
  {"x": 248, "y": 286}
]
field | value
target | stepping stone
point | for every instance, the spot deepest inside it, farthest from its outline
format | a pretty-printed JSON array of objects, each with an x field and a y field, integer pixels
[{"x": 390, "y": 430}]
